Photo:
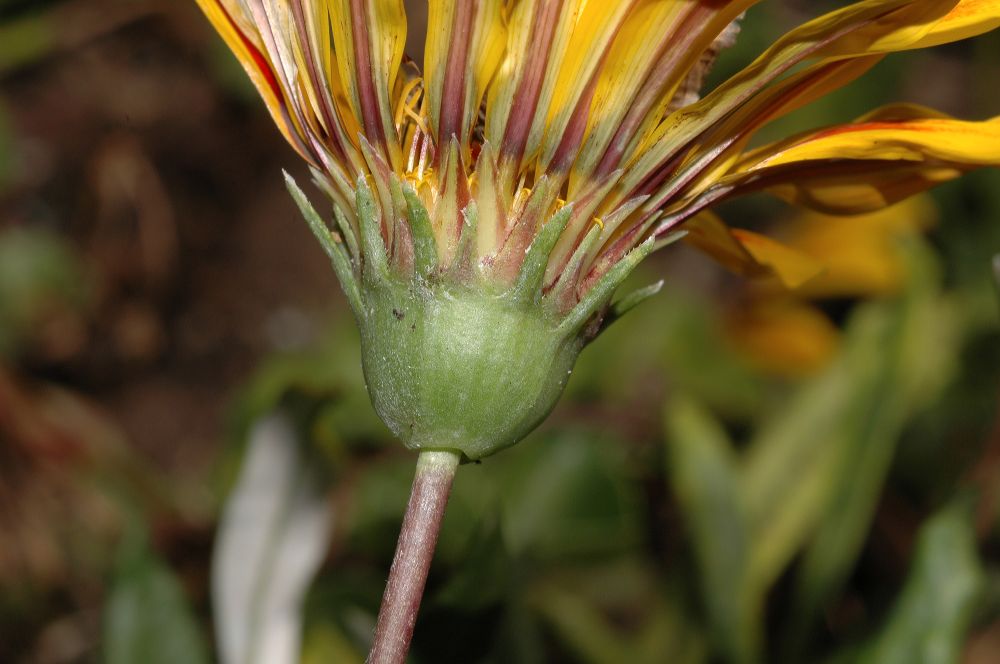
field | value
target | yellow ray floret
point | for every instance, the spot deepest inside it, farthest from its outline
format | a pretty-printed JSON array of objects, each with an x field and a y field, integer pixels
[{"x": 524, "y": 104}]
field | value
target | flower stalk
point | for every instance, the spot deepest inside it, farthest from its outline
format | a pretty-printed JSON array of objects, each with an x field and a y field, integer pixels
[{"x": 417, "y": 539}]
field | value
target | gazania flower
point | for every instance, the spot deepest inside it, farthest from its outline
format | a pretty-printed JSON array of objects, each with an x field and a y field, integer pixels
[
  {"x": 488, "y": 206},
  {"x": 488, "y": 203}
]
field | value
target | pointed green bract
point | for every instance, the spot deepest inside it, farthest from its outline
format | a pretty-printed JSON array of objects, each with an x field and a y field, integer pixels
[
  {"x": 347, "y": 232},
  {"x": 528, "y": 287},
  {"x": 526, "y": 229},
  {"x": 344, "y": 225},
  {"x": 564, "y": 292},
  {"x": 462, "y": 266},
  {"x": 425, "y": 253},
  {"x": 669, "y": 239},
  {"x": 375, "y": 261},
  {"x": 602, "y": 291},
  {"x": 629, "y": 302},
  {"x": 341, "y": 262}
]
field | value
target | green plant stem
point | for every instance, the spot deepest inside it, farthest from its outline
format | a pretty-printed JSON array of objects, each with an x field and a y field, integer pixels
[{"x": 417, "y": 539}]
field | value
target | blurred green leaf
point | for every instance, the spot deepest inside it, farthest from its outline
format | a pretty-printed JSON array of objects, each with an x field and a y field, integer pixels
[
  {"x": 585, "y": 628},
  {"x": 817, "y": 468},
  {"x": 379, "y": 495},
  {"x": 375, "y": 512},
  {"x": 25, "y": 40},
  {"x": 6, "y": 147},
  {"x": 325, "y": 643},
  {"x": 909, "y": 349},
  {"x": 326, "y": 379},
  {"x": 703, "y": 470},
  {"x": 485, "y": 574},
  {"x": 930, "y": 620},
  {"x": 39, "y": 276},
  {"x": 790, "y": 468},
  {"x": 996, "y": 272},
  {"x": 519, "y": 637},
  {"x": 567, "y": 495},
  {"x": 676, "y": 337},
  {"x": 618, "y": 612},
  {"x": 322, "y": 388},
  {"x": 147, "y": 618}
]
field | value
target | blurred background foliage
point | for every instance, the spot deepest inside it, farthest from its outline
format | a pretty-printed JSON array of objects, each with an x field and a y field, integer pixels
[{"x": 738, "y": 473}]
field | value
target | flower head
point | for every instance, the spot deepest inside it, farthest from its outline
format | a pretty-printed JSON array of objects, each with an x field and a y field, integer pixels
[{"x": 490, "y": 202}]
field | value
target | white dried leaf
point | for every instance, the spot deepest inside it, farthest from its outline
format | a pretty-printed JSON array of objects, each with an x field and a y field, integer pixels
[{"x": 271, "y": 541}]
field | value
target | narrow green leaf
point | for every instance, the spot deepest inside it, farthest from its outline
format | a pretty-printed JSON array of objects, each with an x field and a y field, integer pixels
[
  {"x": 528, "y": 287},
  {"x": 929, "y": 622},
  {"x": 566, "y": 496},
  {"x": 341, "y": 262},
  {"x": 583, "y": 627},
  {"x": 791, "y": 468},
  {"x": 581, "y": 608},
  {"x": 899, "y": 355},
  {"x": 147, "y": 618},
  {"x": 704, "y": 473},
  {"x": 819, "y": 465}
]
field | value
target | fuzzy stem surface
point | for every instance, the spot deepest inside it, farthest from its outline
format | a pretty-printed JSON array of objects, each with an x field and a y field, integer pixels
[{"x": 417, "y": 539}]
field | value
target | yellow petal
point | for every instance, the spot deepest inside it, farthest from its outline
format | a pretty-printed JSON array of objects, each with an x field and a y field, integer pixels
[
  {"x": 856, "y": 31},
  {"x": 709, "y": 234},
  {"x": 784, "y": 337},
  {"x": 719, "y": 149},
  {"x": 858, "y": 190},
  {"x": 920, "y": 140},
  {"x": 465, "y": 42},
  {"x": 750, "y": 254},
  {"x": 237, "y": 30},
  {"x": 791, "y": 266},
  {"x": 593, "y": 30},
  {"x": 885, "y": 157},
  {"x": 368, "y": 38},
  {"x": 863, "y": 254},
  {"x": 521, "y": 93},
  {"x": 635, "y": 52},
  {"x": 650, "y": 57},
  {"x": 967, "y": 18}
]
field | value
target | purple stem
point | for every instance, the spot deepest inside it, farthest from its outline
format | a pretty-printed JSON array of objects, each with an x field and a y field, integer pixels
[{"x": 417, "y": 539}]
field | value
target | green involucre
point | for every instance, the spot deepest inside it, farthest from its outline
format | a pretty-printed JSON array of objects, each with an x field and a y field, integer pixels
[{"x": 453, "y": 362}]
